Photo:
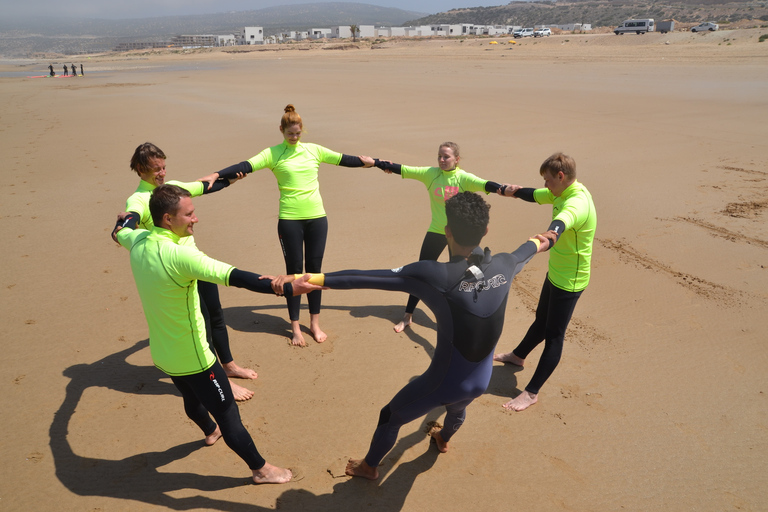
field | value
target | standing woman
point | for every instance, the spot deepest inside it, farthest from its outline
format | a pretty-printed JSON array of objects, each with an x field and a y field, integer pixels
[
  {"x": 442, "y": 182},
  {"x": 302, "y": 225}
]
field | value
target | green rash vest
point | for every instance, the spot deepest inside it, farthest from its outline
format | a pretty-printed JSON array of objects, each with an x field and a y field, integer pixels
[
  {"x": 570, "y": 259},
  {"x": 139, "y": 202},
  {"x": 295, "y": 168},
  {"x": 166, "y": 275},
  {"x": 442, "y": 185}
]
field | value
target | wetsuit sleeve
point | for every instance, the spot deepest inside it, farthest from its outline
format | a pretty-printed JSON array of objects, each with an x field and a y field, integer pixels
[
  {"x": 526, "y": 194},
  {"x": 231, "y": 172},
  {"x": 250, "y": 281},
  {"x": 558, "y": 226},
  {"x": 351, "y": 161},
  {"x": 523, "y": 255},
  {"x": 129, "y": 222},
  {"x": 388, "y": 166},
  {"x": 492, "y": 187},
  {"x": 219, "y": 184}
]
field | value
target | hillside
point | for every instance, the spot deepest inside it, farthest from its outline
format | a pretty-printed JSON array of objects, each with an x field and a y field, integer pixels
[
  {"x": 28, "y": 36},
  {"x": 602, "y": 13}
]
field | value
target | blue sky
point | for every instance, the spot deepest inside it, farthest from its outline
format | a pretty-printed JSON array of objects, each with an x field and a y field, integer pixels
[{"x": 119, "y": 9}]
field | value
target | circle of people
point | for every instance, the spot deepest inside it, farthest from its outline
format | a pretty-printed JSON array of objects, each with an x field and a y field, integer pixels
[{"x": 178, "y": 284}]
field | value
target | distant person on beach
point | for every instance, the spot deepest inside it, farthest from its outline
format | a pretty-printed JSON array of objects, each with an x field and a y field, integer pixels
[
  {"x": 468, "y": 297},
  {"x": 574, "y": 219},
  {"x": 166, "y": 272},
  {"x": 148, "y": 161},
  {"x": 442, "y": 182},
  {"x": 66, "y": 70},
  {"x": 302, "y": 225},
  {"x": 50, "y": 67},
  {"x": 81, "y": 70},
  {"x": 74, "y": 70}
]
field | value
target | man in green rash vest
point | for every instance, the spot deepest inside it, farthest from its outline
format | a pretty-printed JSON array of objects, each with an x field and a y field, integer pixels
[
  {"x": 166, "y": 272},
  {"x": 574, "y": 219},
  {"x": 148, "y": 162}
]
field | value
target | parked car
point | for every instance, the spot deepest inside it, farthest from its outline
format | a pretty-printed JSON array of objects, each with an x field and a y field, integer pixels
[
  {"x": 542, "y": 32},
  {"x": 523, "y": 32},
  {"x": 706, "y": 26}
]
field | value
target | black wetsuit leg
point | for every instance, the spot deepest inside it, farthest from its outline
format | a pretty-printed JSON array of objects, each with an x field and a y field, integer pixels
[
  {"x": 210, "y": 392},
  {"x": 297, "y": 238},
  {"x": 553, "y": 314},
  {"x": 431, "y": 249},
  {"x": 215, "y": 327}
]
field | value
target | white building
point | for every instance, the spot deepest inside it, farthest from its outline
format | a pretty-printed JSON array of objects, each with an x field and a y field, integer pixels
[
  {"x": 320, "y": 33},
  {"x": 227, "y": 40},
  {"x": 252, "y": 35}
]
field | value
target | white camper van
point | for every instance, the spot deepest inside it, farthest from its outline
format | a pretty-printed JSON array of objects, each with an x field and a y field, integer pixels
[{"x": 636, "y": 26}]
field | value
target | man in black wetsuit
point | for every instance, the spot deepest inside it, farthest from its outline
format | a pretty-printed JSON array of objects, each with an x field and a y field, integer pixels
[{"x": 468, "y": 296}]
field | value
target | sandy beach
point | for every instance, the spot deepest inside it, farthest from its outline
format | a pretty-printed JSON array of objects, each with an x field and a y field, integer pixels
[{"x": 660, "y": 401}]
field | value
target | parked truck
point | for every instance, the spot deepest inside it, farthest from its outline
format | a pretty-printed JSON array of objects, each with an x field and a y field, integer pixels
[{"x": 665, "y": 26}]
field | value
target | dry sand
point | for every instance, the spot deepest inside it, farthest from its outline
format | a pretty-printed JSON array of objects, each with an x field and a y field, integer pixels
[{"x": 659, "y": 402}]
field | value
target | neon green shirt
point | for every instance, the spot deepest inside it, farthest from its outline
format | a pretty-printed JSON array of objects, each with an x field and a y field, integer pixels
[
  {"x": 570, "y": 259},
  {"x": 166, "y": 275},
  {"x": 295, "y": 168},
  {"x": 442, "y": 185}
]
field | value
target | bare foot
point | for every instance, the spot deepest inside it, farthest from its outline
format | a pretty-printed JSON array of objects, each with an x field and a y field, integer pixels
[
  {"x": 232, "y": 369},
  {"x": 209, "y": 440},
  {"x": 405, "y": 322},
  {"x": 241, "y": 394},
  {"x": 270, "y": 474},
  {"x": 298, "y": 338},
  {"x": 442, "y": 445},
  {"x": 521, "y": 402},
  {"x": 509, "y": 357},
  {"x": 314, "y": 328},
  {"x": 361, "y": 468}
]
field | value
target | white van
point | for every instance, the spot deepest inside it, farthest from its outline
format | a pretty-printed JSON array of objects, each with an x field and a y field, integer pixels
[{"x": 636, "y": 26}]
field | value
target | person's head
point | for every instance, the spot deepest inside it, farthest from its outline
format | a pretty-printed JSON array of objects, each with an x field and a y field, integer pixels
[
  {"x": 291, "y": 125},
  {"x": 171, "y": 208},
  {"x": 468, "y": 215},
  {"x": 559, "y": 173},
  {"x": 448, "y": 156},
  {"x": 148, "y": 161}
]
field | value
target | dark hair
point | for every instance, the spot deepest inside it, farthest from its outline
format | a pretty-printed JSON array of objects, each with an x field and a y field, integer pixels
[
  {"x": 165, "y": 199},
  {"x": 468, "y": 216},
  {"x": 290, "y": 117},
  {"x": 559, "y": 162},
  {"x": 143, "y": 154}
]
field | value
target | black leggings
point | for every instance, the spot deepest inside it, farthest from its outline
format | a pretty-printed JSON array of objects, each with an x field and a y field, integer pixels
[
  {"x": 215, "y": 327},
  {"x": 431, "y": 249},
  {"x": 552, "y": 317},
  {"x": 209, "y": 392},
  {"x": 303, "y": 240}
]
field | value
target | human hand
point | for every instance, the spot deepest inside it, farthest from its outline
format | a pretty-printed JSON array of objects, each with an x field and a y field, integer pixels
[
  {"x": 508, "y": 190},
  {"x": 210, "y": 179},
  {"x": 302, "y": 285},
  {"x": 367, "y": 161}
]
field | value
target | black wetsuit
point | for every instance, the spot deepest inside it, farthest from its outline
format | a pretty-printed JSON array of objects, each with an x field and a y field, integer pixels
[{"x": 469, "y": 309}]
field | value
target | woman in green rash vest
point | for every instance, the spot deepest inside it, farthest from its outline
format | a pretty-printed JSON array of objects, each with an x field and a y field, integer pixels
[
  {"x": 302, "y": 224},
  {"x": 442, "y": 182}
]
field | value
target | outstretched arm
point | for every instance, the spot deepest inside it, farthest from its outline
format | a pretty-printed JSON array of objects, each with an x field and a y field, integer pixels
[
  {"x": 508, "y": 190},
  {"x": 388, "y": 167},
  {"x": 125, "y": 220},
  {"x": 263, "y": 284}
]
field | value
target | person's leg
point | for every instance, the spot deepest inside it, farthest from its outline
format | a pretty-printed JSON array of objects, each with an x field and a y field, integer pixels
[
  {"x": 416, "y": 399},
  {"x": 431, "y": 249},
  {"x": 535, "y": 334},
  {"x": 291, "y": 233},
  {"x": 315, "y": 237},
  {"x": 561, "y": 307},
  {"x": 456, "y": 413},
  {"x": 218, "y": 338}
]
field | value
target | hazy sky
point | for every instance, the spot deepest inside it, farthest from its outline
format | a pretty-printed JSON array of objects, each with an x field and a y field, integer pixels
[{"x": 119, "y": 9}]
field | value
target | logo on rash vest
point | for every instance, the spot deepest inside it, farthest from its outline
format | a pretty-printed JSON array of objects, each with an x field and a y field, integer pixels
[
  {"x": 396, "y": 270},
  {"x": 216, "y": 383},
  {"x": 493, "y": 282}
]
